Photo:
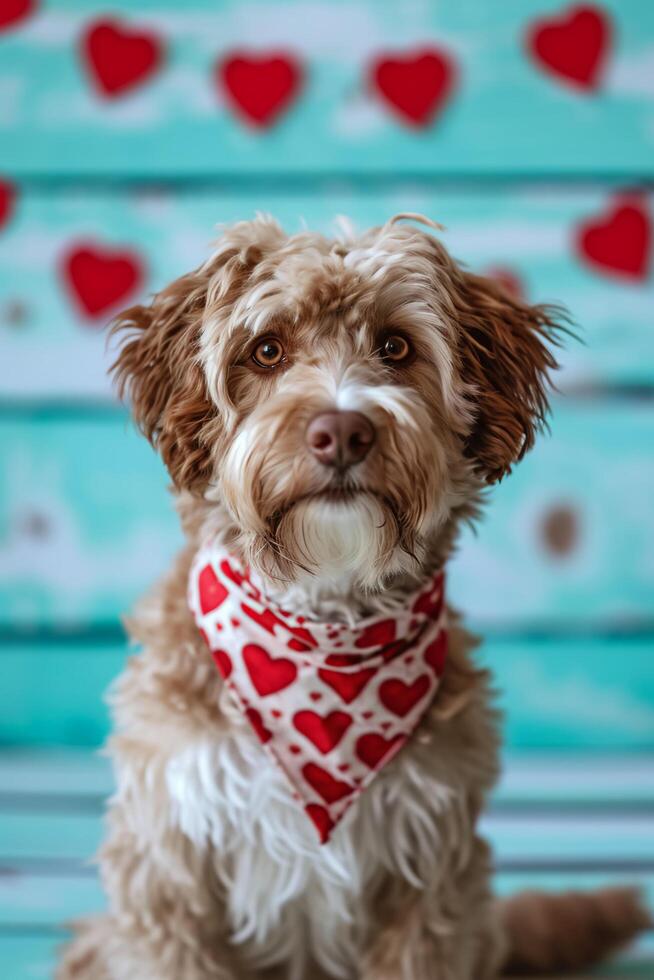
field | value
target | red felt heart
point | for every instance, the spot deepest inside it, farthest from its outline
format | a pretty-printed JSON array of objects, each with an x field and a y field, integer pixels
[
  {"x": 417, "y": 85},
  {"x": 347, "y": 685},
  {"x": 618, "y": 242},
  {"x": 7, "y": 198},
  {"x": 119, "y": 59},
  {"x": 325, "y": 785},
  {"x": 268, "y": 674},
  {"x": 256, "y": 721},
  {"x": 212, "y": 592},
  {"x": 223, "y": 662},
  {"x": 260, "y": 87},
  {"x": 400, "y": 698},
  {"x": 321, "y": 819},
  {"x": 436, "y": 653},
  {"x": 573, "y": 46},
  {"x": 325, "y": 732},
  {"x": 372, "y": 749},
  {"x": 13, "y": 11},
  {"x": 99, "y": 278}
]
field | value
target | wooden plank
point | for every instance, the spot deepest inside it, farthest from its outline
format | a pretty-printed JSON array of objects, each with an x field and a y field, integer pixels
[
  {"x": 32, "y": 956},
  {"x": 568, "y": 777},
  {"x": 577, "y": 694},
  {"x": 57, "y": 774},
  {"x": 51, "y": 347},
  {"x": 557, "y": 694},
  {"x": 43, "y": 839},
  {"x": 88, "y": 496},
  {"x": 29, "y": 899},
  {"x": 498, "y": 110},
  {"x": 66, "y": 705},
  {"x": 80, "y": 779},
  {"x": 29, "y": 955}
]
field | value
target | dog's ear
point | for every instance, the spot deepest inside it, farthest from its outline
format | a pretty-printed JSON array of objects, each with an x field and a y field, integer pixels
[
  {"x": 505, "y": 357},
  {"x": 159, "y": 368}
]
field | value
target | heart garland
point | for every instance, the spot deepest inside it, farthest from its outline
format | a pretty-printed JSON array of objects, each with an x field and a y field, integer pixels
[{"x": 415, "y": 85}]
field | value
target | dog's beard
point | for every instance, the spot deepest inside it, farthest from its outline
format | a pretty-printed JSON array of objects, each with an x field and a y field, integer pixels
[
  {"x": 296, "y": 520},
  {"x": 351, "y": 539}
]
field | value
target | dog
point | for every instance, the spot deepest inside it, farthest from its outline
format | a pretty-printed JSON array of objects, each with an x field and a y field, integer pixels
[{"x": 304, "y": 743}]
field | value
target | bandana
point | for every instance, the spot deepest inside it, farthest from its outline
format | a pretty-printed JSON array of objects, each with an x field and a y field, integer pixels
[{"x": 330, "y": 703}]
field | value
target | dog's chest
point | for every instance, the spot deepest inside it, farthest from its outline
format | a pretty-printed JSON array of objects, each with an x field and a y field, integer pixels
[{"x": 288, "y": 898}]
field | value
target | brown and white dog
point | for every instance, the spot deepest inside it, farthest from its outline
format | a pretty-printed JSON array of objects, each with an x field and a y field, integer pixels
[{"x": 331, "y": 411}]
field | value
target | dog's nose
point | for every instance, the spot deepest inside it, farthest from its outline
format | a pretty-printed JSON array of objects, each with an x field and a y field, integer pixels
[{"x": 340, "y": 438}]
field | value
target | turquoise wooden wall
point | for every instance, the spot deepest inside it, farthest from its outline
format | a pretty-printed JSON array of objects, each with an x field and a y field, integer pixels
[{"x": 127, "y": 132}]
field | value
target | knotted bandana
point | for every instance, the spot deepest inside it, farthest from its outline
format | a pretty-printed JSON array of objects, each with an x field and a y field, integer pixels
[{"x": 330, "y": 703}]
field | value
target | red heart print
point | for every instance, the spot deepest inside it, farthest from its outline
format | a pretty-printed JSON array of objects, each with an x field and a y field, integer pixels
[
  {"x": 231, "y": 573},
  {"x": 400, "y": 698},
  {"x": 7, "y": 198},
  {"x": 325, "y": 732},
  {"x": 430, "y": 602},
  {"x": 321, "y": 820},
  {"x": 372, "y": 749},
  {"x": 618, "y": 242},
  {"x": 260, "y": 87},
  {"x": 347, "y": 685},
  {"x": 573, "y": 46},
  {"x": 436, "y": 653},
  {"x": 326, "y": 786},
  {"x": 212, "y": 592},
  {"x": 223, "y": 662},
  {"x": 417, "y": 85},
  {"x": 256, "y": 721},
  {"x": 119, "y": 59},
  {"x": 394, "y": 650},
  {"x": 13, "y": 11},
  {"x": 268, "y": 621},
  {"x": 377, "y": 634},
  {"x": 268, "y": 674},
  {"x": 99, "y": 278}
]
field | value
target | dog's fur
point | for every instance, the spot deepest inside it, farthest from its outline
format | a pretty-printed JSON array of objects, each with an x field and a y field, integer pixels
[{"x": 211, "y": 868}]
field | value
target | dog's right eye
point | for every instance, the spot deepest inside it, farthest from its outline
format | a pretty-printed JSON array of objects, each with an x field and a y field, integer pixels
[{"x": 268, "y": 353}]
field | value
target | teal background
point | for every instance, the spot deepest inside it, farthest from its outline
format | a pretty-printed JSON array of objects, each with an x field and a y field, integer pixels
[{"x": 559, "y": 577}]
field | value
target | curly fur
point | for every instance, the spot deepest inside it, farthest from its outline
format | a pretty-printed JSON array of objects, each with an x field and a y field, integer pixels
[{"x": 210, "y": 868}]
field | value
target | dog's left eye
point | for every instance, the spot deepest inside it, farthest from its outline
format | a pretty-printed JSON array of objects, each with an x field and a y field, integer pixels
[
  {"x": 395, "y": 348},
  {"x": 268, "y": 353}
]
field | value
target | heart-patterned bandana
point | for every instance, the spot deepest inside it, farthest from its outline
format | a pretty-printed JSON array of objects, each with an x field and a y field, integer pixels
[{"x": 330, "y": 703}]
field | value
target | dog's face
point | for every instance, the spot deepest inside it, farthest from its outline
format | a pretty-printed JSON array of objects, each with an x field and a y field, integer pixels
[{"x": 342, "y": 398}]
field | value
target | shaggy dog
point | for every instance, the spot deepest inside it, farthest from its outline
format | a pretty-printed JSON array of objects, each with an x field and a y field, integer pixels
[{"x": 330, "y": 412}]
